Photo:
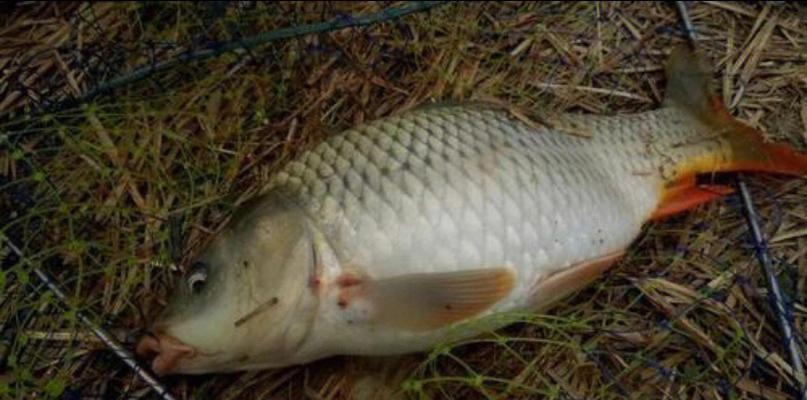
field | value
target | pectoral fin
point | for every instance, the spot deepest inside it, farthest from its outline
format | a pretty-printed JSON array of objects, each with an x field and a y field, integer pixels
[{"x": 421, "y": 302}]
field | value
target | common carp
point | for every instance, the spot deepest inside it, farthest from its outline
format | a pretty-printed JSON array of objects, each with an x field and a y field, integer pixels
[{"x": 388, "y": 237}]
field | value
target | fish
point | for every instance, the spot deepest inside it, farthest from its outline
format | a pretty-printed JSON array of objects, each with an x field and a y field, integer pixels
[{"x": 391, "y": 237}]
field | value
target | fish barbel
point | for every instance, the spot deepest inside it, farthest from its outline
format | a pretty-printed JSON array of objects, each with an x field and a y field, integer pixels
[{"x": 388, "y": 237}]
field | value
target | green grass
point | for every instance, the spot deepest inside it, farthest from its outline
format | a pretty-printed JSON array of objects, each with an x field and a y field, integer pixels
[{"x": 195, "y": 141}]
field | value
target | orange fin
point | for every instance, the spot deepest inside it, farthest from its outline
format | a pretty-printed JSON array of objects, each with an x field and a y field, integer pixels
[
  {"x": 752, "y": 153},
  {"x": 420, "y": 302},
  {"x": 555, "y": 287},
  {"x": 688, "y": 77},
  {"x": 682, "y": 199},
  {"x": 686, "y": 194}
]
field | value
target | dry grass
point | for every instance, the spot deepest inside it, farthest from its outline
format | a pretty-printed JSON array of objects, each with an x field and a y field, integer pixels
[{"x": 683, "y": 316}]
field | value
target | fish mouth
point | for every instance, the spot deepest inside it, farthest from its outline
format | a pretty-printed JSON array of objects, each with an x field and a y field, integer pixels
[{"x": 167, "y": 351}]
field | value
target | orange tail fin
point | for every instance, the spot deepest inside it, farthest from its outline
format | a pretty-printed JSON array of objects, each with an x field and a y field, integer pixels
[
  {"x": 750, "y": 151},
  {"x": 745, "y": 148},
  {"x": 688, "y": 88}
]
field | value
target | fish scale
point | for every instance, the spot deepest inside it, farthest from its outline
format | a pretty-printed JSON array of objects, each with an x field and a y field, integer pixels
[
  {"x": 492, "y": 190},
  {"x": 384, "y": 238}
]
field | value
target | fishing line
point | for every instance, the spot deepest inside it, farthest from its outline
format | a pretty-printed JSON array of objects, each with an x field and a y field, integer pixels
[
  {"x": 761, "y": 250},
  {"x": 96, "y": 329}
]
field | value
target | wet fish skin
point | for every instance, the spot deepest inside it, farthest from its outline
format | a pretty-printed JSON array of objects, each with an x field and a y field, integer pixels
[
  {"x": 454, "y": 188},
  {"x": 403, "y": 232}
]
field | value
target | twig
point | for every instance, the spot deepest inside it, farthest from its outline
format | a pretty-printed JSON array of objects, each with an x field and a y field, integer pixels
[
  {"x": 105, "y": 337},
  {"x": 761, "y": 250},
  {"x": 338, "y": 23},
  {"x": 590, "y": 89}
]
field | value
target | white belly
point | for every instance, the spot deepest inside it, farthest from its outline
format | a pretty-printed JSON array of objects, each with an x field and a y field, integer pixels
[{"x": 536, "y": 202}]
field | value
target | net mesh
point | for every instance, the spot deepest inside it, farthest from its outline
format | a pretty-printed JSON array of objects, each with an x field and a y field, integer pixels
[{"x": 121, "y": 120}]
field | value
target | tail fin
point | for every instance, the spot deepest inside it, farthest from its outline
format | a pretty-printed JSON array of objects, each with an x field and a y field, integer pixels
[{"x": 688, "y": 77}]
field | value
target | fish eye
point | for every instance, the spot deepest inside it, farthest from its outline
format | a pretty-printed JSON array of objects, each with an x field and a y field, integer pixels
[{"x": 197, "y": 276}]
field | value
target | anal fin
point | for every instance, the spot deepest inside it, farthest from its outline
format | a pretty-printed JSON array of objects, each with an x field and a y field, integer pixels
[{"x": 686, "y": 195}]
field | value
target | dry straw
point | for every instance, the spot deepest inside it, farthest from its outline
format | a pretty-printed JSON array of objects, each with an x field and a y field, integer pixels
[{"x": 88, "y": 191}]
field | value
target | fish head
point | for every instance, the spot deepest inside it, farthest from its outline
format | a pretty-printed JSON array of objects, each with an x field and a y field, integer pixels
[{"x": 245, "y": 302}]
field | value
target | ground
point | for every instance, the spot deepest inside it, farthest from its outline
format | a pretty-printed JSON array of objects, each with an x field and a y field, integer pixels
[{"x": 93, "y": 184}]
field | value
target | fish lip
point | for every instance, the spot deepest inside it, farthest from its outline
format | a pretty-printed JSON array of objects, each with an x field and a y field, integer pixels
[{"x": 168, "y": 351}]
